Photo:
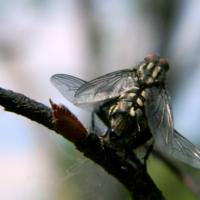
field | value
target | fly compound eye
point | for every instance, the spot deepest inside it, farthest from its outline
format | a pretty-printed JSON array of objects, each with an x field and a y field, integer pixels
[
  {"x": 149, "y": 58},
  {"x": 164, "y": 64}
]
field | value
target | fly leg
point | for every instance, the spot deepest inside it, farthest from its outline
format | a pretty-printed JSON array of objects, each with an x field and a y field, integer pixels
[
  {"x": 128, "y": 152},
  {"x": 150, "y": 148},
  {"x": 98, "y": 125}
]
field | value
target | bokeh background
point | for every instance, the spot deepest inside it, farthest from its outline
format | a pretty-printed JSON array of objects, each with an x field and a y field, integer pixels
[{"x": 88, "y": 38}]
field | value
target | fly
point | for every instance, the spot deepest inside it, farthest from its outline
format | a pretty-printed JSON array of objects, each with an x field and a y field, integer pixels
[{"x": 131, "y": 106}]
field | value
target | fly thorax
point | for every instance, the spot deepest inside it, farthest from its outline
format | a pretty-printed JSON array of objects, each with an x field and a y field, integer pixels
[{"x": 152, "y": 70}]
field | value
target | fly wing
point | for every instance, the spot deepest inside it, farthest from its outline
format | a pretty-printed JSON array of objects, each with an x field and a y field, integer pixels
[
  {"x": 106, "y": 87},
  {"x": 181, "y": 149},
  {"x": 67, "y": 85},
  {"x": 89, "y": 95},
  {"x": 159, "y": 114}
]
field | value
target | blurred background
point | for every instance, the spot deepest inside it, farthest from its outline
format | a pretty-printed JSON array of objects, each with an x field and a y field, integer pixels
[{"x": 86, "y": 39}]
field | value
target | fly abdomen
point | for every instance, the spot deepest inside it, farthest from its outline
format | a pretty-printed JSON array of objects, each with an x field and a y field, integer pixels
[{"x": 127, "y": 115}]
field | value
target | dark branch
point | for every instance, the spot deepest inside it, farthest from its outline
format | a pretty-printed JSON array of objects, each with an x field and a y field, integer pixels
[
  {"x": 22, "y": 105},
  {"x": 130, "y": 173}
]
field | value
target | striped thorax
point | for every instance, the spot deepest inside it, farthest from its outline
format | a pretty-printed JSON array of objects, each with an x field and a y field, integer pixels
[{"x": 152, "y": 70}]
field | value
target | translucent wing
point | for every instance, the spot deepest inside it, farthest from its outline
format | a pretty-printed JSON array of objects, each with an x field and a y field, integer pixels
[
  {"x": 181, "y": 149},
  {"x": 159, "y": 114},
  {"x": 106, "y": 87},
  {"x": 67, "y": 85},
  {"x": 89, "y": 95}
]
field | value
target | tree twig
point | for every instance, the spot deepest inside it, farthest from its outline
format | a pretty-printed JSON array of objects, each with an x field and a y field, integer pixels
[
  {"x": 131, "y": 173},
  {"x": 22, "y": 105}
]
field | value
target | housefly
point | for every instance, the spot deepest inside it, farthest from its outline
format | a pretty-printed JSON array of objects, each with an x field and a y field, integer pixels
[{"x": 131, "y": 106}]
